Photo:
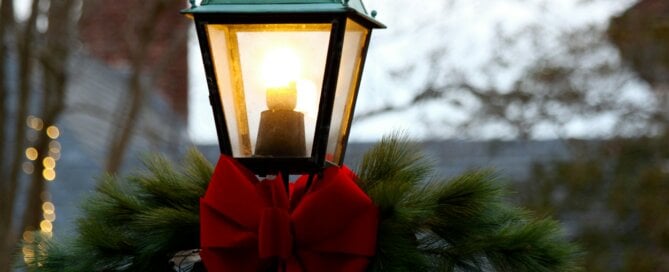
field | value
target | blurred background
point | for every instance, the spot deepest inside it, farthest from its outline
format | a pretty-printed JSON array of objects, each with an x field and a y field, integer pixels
[{"x": 568, "y": 101}]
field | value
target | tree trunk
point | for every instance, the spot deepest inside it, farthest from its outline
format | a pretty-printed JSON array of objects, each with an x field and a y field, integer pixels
[
  {"x": 9, "y": 236},
  {"x": 119, "y": 143},
  {"x": 54, "y": 60},
  {"x": 51, "y": 58},
  {"x": 6, "y": 22}
]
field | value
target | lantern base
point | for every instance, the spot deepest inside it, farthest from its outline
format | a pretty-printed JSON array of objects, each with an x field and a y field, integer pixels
[{"x": 281, "y": 134}]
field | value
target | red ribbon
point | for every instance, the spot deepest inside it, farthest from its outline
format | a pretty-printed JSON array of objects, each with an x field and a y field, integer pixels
[{"x": 246, "y": 224}]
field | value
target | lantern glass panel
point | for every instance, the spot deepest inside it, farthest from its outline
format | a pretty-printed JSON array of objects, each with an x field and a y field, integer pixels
[
  {"x": 269, "y": 79},
  {"x": 349, "y": 72}
]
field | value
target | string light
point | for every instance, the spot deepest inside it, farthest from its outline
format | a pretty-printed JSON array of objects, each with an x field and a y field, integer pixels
[
  {"x": 28, "y": 254},
  {"x": 30, "y": 250},
  {"x": 49, "y": 174},
  {"x": 28, "y": 236},
  {"x": 48, "y": 207},
  {"x": 35, "y": 122},
  {"x": 31, "y": 153},
  {"x": 50, "y": 217},
  {"x": 49, "y": 163},
  {"x": 52, "y": 132},
  {"x": 45, "y": 226}
]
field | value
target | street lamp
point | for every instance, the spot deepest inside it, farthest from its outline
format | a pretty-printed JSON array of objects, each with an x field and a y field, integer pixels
[{"x": 283, "y": 77}]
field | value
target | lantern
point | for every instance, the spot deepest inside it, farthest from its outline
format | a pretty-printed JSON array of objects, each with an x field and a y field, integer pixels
[{"x": 283, "y": 77}]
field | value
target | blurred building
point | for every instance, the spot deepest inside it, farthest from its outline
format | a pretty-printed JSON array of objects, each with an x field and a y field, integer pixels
[
  {"x": 98, "y": 90},
  {"x": 94, "y": 91},
  {"x": 512, "y": 160},
  {"x": 641, "y": 34},
  {"x": 110, "y": 33}
]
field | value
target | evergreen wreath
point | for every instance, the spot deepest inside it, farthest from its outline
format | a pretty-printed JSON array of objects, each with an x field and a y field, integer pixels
[{"x": 141, "y": 222}]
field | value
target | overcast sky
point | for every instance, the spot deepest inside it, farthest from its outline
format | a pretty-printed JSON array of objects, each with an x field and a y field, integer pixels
[{"x": 415, "y": 29}]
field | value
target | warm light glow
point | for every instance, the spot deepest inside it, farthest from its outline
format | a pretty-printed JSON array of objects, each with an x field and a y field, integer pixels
[
  {"x": 48, "y": 207},
  {"x": 281, "y": 66},
  {"x": 307, "y": 98},
  {"x": 47, "y": 234},
  {"x": 49, "y": 174},
  {"x": 35, "y": 123},
  {"x": 49, "y": 163},
  {"x": 52, "y": 132},
  {"x": 250, "y": 59},
  {"x": 28, "y": 236},
  {"x": 282, "y": 76},
  {"x": 50, "y": 217},
  {"x": 46, "y": 226},
  {"x": 28, "y": 253},
  {"x": 31, "y": 153},
  {"x": 282, "y": 98},
  {"x": 49, "y": 214}
]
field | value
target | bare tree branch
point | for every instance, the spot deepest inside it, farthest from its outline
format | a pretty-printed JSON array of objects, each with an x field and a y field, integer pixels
[
  {"x": 143, "y": 28},
  {"x": 44, "y": 51},
  {"x": 556, "y": 88},
  {"x": 25, "y": 62},
  {"x": 53, "y": 59}
]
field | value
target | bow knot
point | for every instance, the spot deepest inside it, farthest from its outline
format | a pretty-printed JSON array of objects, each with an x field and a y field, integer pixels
[
  {"x": 246, "y": 223},
  {"x": 274, "y": 235}
]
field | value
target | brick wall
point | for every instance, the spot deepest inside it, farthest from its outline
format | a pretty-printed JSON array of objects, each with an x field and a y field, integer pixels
[
  {"x": 109, "y": 29},
  {"x": 641, "y": 34}
]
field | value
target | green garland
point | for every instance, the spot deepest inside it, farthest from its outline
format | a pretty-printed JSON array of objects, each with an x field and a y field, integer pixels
[{"x": 427, "y": 224}]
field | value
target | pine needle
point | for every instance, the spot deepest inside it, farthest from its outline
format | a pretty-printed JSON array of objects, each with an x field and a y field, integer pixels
[
  {"x": 138, "y": 222},
  {"x": 462, "y": 224},
  {"x": 134, "y": 223},
  {"x": 394, "y": 159}
]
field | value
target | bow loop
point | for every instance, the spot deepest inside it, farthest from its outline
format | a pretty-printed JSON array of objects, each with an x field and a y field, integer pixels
[
  {"x": 333, "y": 199},
  {"x": 226, "y": 197},
  {"x": 245, "y": 222}
]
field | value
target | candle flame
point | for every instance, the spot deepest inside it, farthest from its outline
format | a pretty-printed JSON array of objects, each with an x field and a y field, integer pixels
[{"x": 280, "y": 67}]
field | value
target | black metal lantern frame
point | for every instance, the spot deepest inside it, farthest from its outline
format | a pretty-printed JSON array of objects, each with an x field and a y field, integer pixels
[{"x": 225, "y": 81}]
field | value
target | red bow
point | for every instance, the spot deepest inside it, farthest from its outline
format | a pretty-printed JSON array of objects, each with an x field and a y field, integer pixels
[{"x": 245, "y": 224}]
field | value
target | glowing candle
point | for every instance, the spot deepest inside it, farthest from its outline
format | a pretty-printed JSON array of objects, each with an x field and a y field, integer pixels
[
  {"x": 282, "y": 98},
  {"x": 281, "y": 128}
]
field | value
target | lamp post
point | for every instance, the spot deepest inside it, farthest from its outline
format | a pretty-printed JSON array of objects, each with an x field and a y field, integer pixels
[{"x": 283, "y": 76}]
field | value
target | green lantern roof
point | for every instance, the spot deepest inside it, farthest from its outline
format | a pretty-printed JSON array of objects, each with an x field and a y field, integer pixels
[{"x": 282, "y": 6}]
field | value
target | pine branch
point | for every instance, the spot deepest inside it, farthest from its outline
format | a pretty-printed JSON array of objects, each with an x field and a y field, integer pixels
[
  {"x": 462, "y": 224},
  {"x": 134, "y": 223},
  {"x": 396, "y": 160},
  {"x": 426, "y": 224}
]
